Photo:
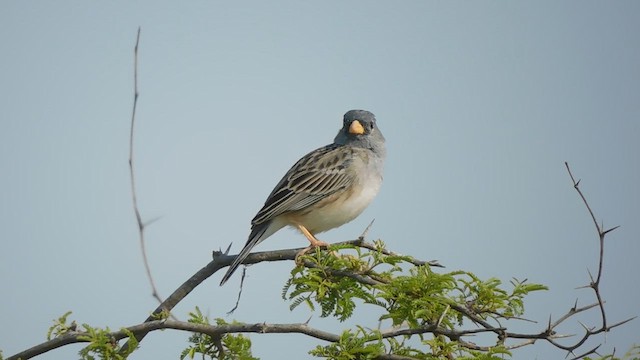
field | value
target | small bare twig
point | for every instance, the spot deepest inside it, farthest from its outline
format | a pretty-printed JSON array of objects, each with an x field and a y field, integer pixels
[
  {"x": 366, "y": 231},
  {"x": 235, "y": 307},
  {"x": 594, "y": 284},
  {"x": 141, "y": 224}
]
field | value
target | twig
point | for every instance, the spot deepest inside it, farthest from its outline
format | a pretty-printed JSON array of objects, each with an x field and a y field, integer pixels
[
  {"x": 594, "y": 283},
  {"x": 141, "y": 225},
  {"x": 366, "y": 231},
  {"x": 235, "y": 307}
]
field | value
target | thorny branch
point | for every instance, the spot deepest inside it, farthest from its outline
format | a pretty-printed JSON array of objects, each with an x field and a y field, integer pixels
[
  {"x": 222, "y": 260},
  {"x": 549, "y": 334},
  {"x": 594, "y": 283},
  {"x": 360, "y": 242}
]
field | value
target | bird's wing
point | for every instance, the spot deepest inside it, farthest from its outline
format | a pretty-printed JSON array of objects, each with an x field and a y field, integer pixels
[{"x": 317, "y": 175}]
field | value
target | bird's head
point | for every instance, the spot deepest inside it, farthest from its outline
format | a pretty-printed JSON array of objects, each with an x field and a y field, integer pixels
[{"x": 359, "y": 129}]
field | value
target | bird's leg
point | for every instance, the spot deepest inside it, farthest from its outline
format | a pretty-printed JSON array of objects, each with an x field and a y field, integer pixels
[
  {"x": 312, "y": 239},
  {"x": 314, "y": 243}
]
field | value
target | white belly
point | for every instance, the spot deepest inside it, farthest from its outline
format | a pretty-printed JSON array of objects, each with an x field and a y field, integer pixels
[{"x": 338, "y": 212}]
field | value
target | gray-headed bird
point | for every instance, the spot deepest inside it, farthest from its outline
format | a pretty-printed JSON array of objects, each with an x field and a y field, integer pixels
[{"x": 327, "y": 188}]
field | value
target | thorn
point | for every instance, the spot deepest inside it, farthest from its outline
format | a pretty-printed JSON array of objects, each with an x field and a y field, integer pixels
[
  {"x": 587, "y": 329},
  {"x": 307, "y": 322},
  {"x": 622, "y": 322},
  {"x": 610, "y": 230},
  {"x": 590, "y": 276},
  {"x": 228, "y": 248},
  {"x": 152, "y": 220},
  {"x": 592, "y": 351},
  {"x": 575, "y": 306},
  {"x": 555, "y": 335},
  {"x": 366, "y": 231}
]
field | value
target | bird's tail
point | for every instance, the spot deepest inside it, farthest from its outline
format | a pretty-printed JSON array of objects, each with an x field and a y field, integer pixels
[{"x": 255, "y": 238}]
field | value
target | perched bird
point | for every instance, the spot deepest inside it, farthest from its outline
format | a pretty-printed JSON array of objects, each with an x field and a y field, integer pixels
[{"x": 327, "y": 188}]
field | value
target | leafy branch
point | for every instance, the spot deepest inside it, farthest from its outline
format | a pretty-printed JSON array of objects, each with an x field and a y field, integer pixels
[{"x": 441, "y": 309}]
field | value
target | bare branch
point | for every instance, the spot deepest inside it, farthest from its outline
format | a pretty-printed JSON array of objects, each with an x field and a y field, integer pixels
[
  {"x": 592, "y": 351},
  {"x": 594, "y": 283},
  {"x": 573, "y": 311},
  {"x": 134, "y": 196},
  {"x": 244, "y": 274},
  {"x": 584, "y": 200}
]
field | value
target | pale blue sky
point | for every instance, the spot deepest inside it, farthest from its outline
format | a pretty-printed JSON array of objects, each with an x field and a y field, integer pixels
[{"x": 480, "y": 102}]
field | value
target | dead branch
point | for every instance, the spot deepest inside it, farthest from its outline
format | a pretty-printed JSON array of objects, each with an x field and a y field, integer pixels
[
  {"x": 134, "y": 196},
  {"x": 594, "y": 283}
]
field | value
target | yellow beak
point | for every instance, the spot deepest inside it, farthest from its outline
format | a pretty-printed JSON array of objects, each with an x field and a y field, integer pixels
[{"x": 356, "y": 128}]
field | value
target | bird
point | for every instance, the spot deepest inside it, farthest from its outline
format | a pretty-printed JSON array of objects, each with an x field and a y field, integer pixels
[{"x": 326, "y": 188}]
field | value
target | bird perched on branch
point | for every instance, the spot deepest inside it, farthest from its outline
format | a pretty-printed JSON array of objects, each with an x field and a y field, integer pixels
[{"x": 327, "y": 188}]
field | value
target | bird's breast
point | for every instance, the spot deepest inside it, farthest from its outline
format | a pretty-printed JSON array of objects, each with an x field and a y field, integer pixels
[{"x": 344, "y": 206}]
